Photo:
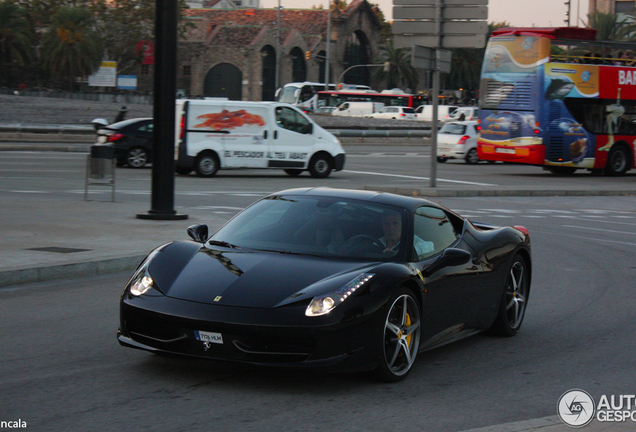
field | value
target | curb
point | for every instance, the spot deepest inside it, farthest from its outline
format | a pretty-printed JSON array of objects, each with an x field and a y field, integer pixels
[{"x": 68, "y": 271}]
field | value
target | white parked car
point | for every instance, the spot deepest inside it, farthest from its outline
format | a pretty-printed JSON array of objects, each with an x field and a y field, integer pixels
[
  {"x": 462, "y": 114},
  {"x": 458, "y": 140},
  {"x": 396, "y": 112}
]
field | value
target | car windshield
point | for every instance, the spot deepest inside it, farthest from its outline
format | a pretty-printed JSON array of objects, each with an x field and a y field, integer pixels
[
  {"x": 323, "y": 226},
  {"x": 453, "y": 129}
]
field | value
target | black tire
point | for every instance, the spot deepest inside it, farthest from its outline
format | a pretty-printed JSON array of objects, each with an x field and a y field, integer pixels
[
  {"x": 514, "y": 299},
  {"x": 618, "y": 161},
  {"x": 442, "y": 159},
  {"x": 400, "y": 338},
  {"x": 293, "y": 172},
  {"x": 562, "y": 170},
  {"x": 183, "y": 170},
  {"x": 136, "y": 157},
  {"x": 320, "y": 165},
  {"x": 471, "y": 157},
  {"x": 206, "y": 164}
]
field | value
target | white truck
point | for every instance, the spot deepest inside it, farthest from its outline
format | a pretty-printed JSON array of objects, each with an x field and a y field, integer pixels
[{"x": 218, "y": 134}]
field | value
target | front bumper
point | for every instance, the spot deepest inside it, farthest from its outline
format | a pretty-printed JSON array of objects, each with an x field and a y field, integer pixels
[
  {"x": 276, "y": 337},
  {"x": 339, "y": 161}
]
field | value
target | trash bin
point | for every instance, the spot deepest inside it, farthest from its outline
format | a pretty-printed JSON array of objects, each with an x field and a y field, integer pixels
[{"x": 100, "y": 168}]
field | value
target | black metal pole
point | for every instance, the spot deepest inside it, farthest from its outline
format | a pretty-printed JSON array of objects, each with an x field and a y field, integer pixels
[{"x": 165, "y": 88}]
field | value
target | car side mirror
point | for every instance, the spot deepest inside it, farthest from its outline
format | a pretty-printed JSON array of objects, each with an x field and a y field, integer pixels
[
  {"x": 450, "y": 257},
  {"x": 198, "y": 233}
]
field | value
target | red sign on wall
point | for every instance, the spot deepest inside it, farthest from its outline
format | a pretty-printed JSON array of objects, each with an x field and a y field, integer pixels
[{"x": 146, "y": 49}]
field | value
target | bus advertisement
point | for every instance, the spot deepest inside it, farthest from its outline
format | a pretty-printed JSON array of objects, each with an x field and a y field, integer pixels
[{"x": 566, "y": 111}]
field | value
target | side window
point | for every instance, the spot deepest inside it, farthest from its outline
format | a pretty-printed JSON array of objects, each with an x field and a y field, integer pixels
[
  {"x": 292, "y": 120},
  {"x": 433, "y": 231}
]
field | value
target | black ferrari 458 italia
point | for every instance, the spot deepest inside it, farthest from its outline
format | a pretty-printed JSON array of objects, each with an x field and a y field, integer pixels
[{"x": 341, "y": 279}]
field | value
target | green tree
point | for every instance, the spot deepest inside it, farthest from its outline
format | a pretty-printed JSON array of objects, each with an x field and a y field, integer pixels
[
  {"x": 71, "y": 47},
  {"x": 400, "y": 72},
  {"x": 16, "y": 42},
  {"x": 466, "y": 64}
]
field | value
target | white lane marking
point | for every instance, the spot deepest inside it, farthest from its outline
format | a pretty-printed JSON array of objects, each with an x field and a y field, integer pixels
[
  {"x": 592, "y": 238},
  {"x": 219, "y": 207},
  {"x": 28, "y": 191},
  {"x": 419, "y": 178},
  {"x": 600, "y": 229}
]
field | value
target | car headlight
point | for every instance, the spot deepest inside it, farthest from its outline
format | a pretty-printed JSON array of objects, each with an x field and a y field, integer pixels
[
  {"x": 324, "y": 304},
  {"x": 141, "y": 281}
]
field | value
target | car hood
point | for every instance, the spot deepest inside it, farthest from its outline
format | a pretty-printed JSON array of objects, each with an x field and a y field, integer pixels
[{"x": 251, "y": 278}]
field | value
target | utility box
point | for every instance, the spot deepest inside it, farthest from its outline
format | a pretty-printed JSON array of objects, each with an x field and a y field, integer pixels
[{"x": 100, "y": 168}]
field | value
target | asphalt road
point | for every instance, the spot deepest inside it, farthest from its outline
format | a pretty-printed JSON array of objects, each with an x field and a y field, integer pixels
[{"x": 62, "y": 368}]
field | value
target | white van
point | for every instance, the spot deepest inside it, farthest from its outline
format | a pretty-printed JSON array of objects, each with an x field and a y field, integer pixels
[
  {"x": 469, "y": 113},
  {"x": 425, "y": 112},
  {"x": 357, "y": 109},
  {"x": 217, "y": 134}
]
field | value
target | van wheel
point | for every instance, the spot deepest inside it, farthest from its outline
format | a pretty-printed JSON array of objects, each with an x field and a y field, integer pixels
[
  {"x": 442, "y": 159},
  {"x": 293, "y": 172},
  {"x": 320, "y": 166},
  {"x": 206, "y": 164}
]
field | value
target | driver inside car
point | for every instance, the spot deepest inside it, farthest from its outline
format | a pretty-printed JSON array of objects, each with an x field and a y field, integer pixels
[{"x": 392, "y": 230}]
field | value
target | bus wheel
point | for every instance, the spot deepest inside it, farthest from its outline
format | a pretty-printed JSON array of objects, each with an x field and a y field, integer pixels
[
  {"x": 562, "y": 170},
  {"x": 617, "y": 161},
  {"x": 206, "y": 164}
]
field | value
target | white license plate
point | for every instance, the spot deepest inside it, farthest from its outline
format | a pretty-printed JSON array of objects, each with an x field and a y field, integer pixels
[
  {"x": 216, "y": 338},
  {"x": 505, "y": 150}
]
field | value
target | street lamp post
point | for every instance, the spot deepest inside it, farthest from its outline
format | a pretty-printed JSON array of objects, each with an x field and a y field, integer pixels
[{"x": 328, "y": 47}]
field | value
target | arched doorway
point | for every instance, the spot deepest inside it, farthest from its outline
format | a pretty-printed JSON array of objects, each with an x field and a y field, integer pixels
[
  {"x": 223, "y": 80},
  {"x": 268, "y": 54},
  {"x": 357, "y": 52},
  {"x": 299, "y": 67}
]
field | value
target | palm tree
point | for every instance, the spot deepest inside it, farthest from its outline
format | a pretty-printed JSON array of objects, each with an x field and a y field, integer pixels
[
  {"x": 400, "y": 71},
  {"x": 71, "y": 48},
  {"x": 16, "y": 40},
  {"x": 606, "y": 25}
]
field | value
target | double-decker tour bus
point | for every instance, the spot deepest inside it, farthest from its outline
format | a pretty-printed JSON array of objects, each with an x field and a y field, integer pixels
[
  {"x": 305, "y": 94},
  {"x": 558, "y": 98},
  {"x": 395, "y": 97}
]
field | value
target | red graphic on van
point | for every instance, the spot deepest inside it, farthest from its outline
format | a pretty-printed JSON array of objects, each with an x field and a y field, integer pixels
[{"x": 229, "y": 120}]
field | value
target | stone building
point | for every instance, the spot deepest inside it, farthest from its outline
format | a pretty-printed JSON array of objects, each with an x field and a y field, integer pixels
[{"x": 233, "y": 53}]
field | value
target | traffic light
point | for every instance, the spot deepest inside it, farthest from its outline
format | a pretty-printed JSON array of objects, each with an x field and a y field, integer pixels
[
  {"x": 387, "y": 66},
  {"x": 567, "y": 12},
  {"x": 307, "y": 55}
]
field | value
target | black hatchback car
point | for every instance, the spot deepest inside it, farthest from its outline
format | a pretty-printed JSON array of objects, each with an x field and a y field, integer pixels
[{"x": 132, "y": 140}]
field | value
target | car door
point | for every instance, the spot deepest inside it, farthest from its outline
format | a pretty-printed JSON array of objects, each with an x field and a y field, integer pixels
[
  {"x": 293, "y": 139},
  {"x": 452, "y": 292}
]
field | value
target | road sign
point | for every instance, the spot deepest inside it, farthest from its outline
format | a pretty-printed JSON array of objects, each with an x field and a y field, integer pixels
[
  {"x": 448, "y": 27},
  {"x": 448, "y": 41},
  {"x": 422, "y": 57},
  {"x": 457, "y": 23},
  {"x": 433, "y": 2},
  {"x": 448, "y": 12}
]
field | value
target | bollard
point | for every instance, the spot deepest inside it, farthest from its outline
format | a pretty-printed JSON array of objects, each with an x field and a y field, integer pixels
[{"x": 100, "y": 168}]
